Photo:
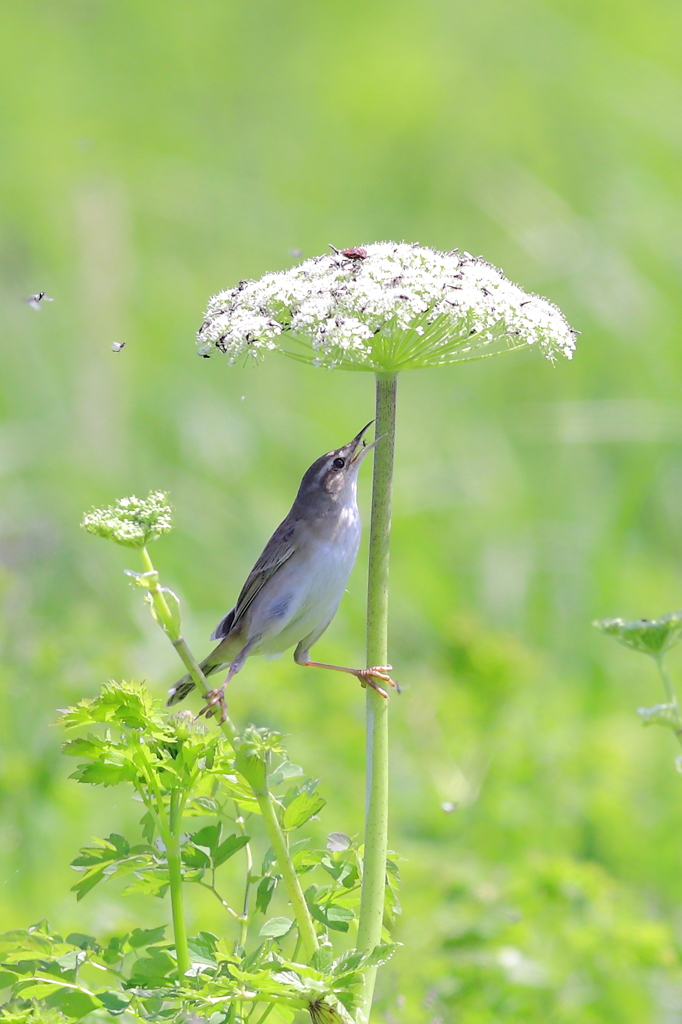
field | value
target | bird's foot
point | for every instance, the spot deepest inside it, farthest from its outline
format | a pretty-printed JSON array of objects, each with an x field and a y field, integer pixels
[
  {"x": 215, "y": 699},
  {"x": 367, "y": 677}
]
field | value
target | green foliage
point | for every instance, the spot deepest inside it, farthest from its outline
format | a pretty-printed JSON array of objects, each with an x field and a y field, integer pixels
[
  {"x": 172, "y": 763},
  {"x": 136, "y": 974}
]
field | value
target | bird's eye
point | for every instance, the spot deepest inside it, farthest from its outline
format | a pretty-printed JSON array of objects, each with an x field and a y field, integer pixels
[{"x": 339, "y": 463}]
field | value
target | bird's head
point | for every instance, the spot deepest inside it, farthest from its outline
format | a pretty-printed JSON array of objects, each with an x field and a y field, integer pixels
[{"x": 332, "y": 478}]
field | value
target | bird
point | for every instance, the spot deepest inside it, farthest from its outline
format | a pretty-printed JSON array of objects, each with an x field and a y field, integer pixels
[{"x": 294, "y": 590}]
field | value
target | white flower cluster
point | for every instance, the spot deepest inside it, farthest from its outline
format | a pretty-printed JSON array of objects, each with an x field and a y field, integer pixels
[
  {"x": 133, "y": 522},
  {"x": 384, "y": 307}
]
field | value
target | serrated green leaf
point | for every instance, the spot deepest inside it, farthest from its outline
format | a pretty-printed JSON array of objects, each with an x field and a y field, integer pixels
[
  {"x": 193, "y": 857},
  {"x": 83, "y": 887},
  {"x": 140, "y": 937},
  {"x": 82, "y": 941},
  {"x": 332, "y": 915},
  {"x": 381, "y": 954},
  {"x": 228, "y": 848},
  {"x": 208, "y": 837},
  {"x": 301, "y": 809},
  {"x": 101, "y": 773},
  {"x": 74, "y": 1003},
  {"x": 153, "y": 969},
  {"x": 115, "y": 1002},
  {"x": 91, "y": 746}
]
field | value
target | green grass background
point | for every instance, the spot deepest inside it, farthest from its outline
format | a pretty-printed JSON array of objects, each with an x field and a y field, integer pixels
[{"x": 154, "y": 153}]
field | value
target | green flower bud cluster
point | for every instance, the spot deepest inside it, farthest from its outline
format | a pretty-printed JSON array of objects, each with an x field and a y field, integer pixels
[
  {"x": 650, "y": 636},
  {"x": 133, "y": 522}
]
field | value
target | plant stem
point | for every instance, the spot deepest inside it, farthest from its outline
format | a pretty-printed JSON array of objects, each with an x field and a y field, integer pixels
[
  {"x": 239, "y": 821},
  {"x": 175, "y": 881},
  {"x": 179, "y": 643},
  {"x": 376, "y": 825},
  {"x": 304, "y": 921},
  {"x": 670, "y": 695},
  {"x": 293, "y": 886}
]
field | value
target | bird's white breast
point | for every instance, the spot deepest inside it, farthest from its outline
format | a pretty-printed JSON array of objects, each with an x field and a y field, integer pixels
[{"x": 308, "y": 588}]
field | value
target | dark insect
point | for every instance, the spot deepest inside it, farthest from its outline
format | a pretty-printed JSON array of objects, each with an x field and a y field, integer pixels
[
  {"x": 356, "y": 253},
  {"x": 35, "y": 300}
]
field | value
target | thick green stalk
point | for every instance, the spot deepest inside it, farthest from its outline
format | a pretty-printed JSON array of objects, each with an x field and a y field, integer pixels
[
  {"x": 304, "y": 921},
  {"x": 376, "y": 824},
  {"x": 175, "y": 881}
]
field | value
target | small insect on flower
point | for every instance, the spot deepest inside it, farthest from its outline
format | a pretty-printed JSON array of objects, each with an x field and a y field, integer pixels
[
  {"x": 116, "y": 346},
  {"x": 35, "y": 300},
  {"x": 356, "y": 253}
]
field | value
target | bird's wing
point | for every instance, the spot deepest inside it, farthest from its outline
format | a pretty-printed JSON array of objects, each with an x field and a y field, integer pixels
[{"x": 277, "y": 551}]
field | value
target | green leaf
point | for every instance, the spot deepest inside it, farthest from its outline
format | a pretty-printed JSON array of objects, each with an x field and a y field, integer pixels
[
  {"x": 115, "y": 1002},
  {"x": 649, "y": 636},
  {"x": 152, "y": 969},
  {"x": 265, "y": 892},
  {"x": 74, "y": 1003},
  {"x": 275, "y": 928},
  {"x": 193, "y": 857},
  {"x": 228, "y": 848},
  {"x": 285, "y": 770},
  {"x": 204, "y": 945},
  {"x": 82, "y": 941},
  {"x": 146, "y": 936},
  {"x": 148, "y": 826},
  {"x": 301, "y": 809},
  {"x": 208, "y": 837},
  {"x": 91, "y": 746},
  {"x": 7, "y": 979},
  {"x": 105, "y": 773},
  {"x": 332, "y": 915},
  {"x": 83, "y": 887},
  {"x": 381, "y": 954}
]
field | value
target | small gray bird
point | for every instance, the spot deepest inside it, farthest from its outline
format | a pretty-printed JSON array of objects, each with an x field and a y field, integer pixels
[{"x": 295, "y": 588}]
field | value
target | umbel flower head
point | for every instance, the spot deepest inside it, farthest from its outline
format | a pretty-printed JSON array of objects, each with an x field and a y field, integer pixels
[
  {"x": 384, "y": 308},
  {"x": 133, "y": 522},
  {"x": 650, "y": 636}
]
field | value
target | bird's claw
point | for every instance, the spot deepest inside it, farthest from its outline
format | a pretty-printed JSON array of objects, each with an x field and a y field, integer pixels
[
  {"x": 214, "y": 698},
  {"x": 368, "y": 675}
]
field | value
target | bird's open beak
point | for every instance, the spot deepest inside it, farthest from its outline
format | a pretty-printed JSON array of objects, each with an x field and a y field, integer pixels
[{"x": 359, "y": 451}]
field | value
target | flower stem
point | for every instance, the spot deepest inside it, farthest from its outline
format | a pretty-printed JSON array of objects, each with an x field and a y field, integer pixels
[
  {"x": 175, "y": 884},
  {"x": 376, "y": 825},
  {"x": 165, "y": 619},
  {"x": 304, "y": 921},
  {"x": 670, "y": 695}
]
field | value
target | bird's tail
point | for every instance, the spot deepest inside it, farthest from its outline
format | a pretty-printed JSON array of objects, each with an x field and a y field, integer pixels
[{"x": 185, "y": 685}]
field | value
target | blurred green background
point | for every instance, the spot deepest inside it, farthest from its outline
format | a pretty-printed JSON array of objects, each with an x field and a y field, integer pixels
[{"x": 154, "y": 153}]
